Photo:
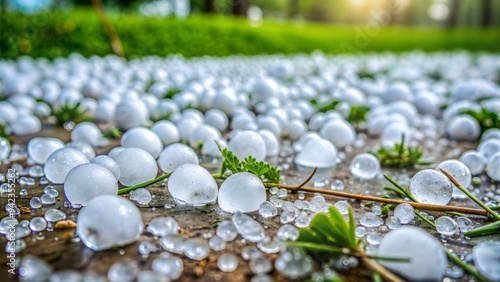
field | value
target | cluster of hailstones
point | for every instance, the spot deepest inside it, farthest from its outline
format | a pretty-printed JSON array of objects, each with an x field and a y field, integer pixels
[{"x": 257, "y": 101}]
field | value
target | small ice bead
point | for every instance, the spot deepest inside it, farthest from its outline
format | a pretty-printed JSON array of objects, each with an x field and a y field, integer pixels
[
  {"x": 227, "y": 262},
  {"x": 142, "y": 196},
  {"x": 25, "y": 125},
  {"x": 173, "y": 243},
  {"x": 317, "y": 152},
  {"x": 268, "y": 210},
  {"x": 108, "y": 221},
  {"x": 339, "y": 132},
  {"x": 282, "y": 193},
  {"x": 374, "y": 238},
  {"x": 493, "y": 167},
  {"x": 370, "y": 220},
  {"x": 248, "y": 143},
  {"x": 162, "y": 226},
  {"x": 54, "y": 215},
  {"x": 34, "y": 269},
  {"x": 175, "y": 155},
  {"x": 226, "y": 230},
  {"x": 202, "y": 134},
  {"x": 431, "y": 187},
  {"x": 136, "y": 166},
  {"x": 211, "y": 149},
  {"x": 488, "y": 148},
  {"x": 124, "y": 270},
  {"x": 217, "y": 119},
  {"x": 87, "y": 181},
  {"x": 191, "y": 184},
  {"x": 113, "y": 153},
  {"x": 464, "y": 224},
  {"x": 458, "y": 170},
  {"x": 167, "y": 131},
  {"x": 241, "y": 192},
  {"x": 248, "y": 228},
  {"x": 486, "y": 256},
  {"x": 38, "y": 224},
  {"x": 365, "y": 166},
  {"x": 337, "y": 185},
  {"x": 474, "y": 161},
  {"x": 108, "y": 163},
  {"x": 342, "y": 207},
  {"x": 131, "y": 113},
  {"x": 405, "y": 213},
  {"x": 87, "y": 132},
  {"x": 36, "y": 171},
  {"x": 445, "y": 225},
  {"x": 143, "y": 138},
  {"x": 260, "y": 265},
  {"x": 216, "y": 243},
  {"x": 61, "y": 162},
  {"x": 463, "y": 128},
  {"x": 196, "y": 249},
  {"x": 4, "y": 148},
  {"x": 167, "y": 267},
  {"x": 47, "y": 199},
  {"x": 85, "y": 148},
  {"x": 393, "y": 222},
  {"x": 296, "y": 128},
  {"x": 271, "y": 142},
  {"x": 35, "y": 203}
]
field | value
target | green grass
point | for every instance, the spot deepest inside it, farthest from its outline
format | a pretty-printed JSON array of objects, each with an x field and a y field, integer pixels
[{"x": 58, "y": 34}]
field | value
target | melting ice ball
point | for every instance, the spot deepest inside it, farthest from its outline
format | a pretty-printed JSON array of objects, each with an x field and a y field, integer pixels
[
  {"x": 89, "y": 133},
  {"x": 241, "y": 192},
  {"x": 431, "y": 187},
  {"x": 460, "y": 172},
  {"x": 493, "y": 167},
  {"x": 427, "y": 258},
  {"x": 61, "y": 162},
  {"x": 40, "y": 148},
  {"x": 109, "y": 221},
  {"x": 144, "y": 138},
  {"x": 87, "y": 181},
  {"x": 191, "y": 184},
  {"x": 136, "y": 166},
  {"x": 317, "y": 152},
  {"x": 365, "y": 166},
  {"x": 175, "y": 155},
  {"x": 486, "y": 256},
  {"x": 108, "y": 163},
  {"x": 339, "y": 132},
  {"x": 248, "y": 143}
]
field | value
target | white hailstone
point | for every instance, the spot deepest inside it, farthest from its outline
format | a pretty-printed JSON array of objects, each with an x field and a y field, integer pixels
[
  {"x": 492, "y": 133},
  {"x": 488, "y": 148},
  {"x": 113, "y": 153},
  {"x": 365, "y": 166},
  {"x": 196, "y": 249},
  {"x": 339, "y": 132},
  {"x": 40, "y": 148},
  {"x": 136, "y": 166},
  {"x": 123, "y": 270},
  {"x": 393, "y": 133},
  {"x": 377, "y": 124},
  {"x": 217, "y": 119},
  {"x": 427, "y": 258},
  {"x": 193, "y": 113},
  {"x": 404, "y": 212},
  {"x": 191, "y": 184},
  {"x": 4, "y": 148},
  {"x": 486, "y": 256},
  {"x": 270, "y": 123},
  {"x": 264, "y": 89},
  {"x": 317, "y": 120},
  {"x": 167, "y": 131},
  {"x": 108, "y": 221},
  {"x": 131, "y": 113},
  {"x": 427, "y": 103},
  {"x": 105, "y": 111},
  {"x": 446, "y": 226},
  {"x": 84, "y": 148},
  {"x": 299, "y": 144},
  {"x": 398, "y": 91},
  {"x": 87, "y": 181},
  {"x": 42, "y": 110},
  {"x": 271, "y": 142},
  {"x": 473, "y": 89},
  {"x": 460, "y": 172},
  {"x": 87, "y": 132},
  {"x": 60, "y": 162},
  {"x": 175, "y": 155},
  {"x": 463, "y": 128},
  {"x": 167, "y": 267},
  {"x": 108, "y": 163},
  {"x": 226, "y": 101},
  {"x": 25, "y": 125},
  {"x": 493, "y": 167},
  {"x": 317, "y": 152},
  {"x": 248, "y": 143},
  {"x": 248, "y": 228},
  {"x": 474, "y": 161},
  {"x": 241, "y": 192},
  {"x": 33, "y": 269},
  {"x": 8, "y": 112},
  {"x": 243, "y": 122},
  {"x": 211, "y": 149},
  {"x": 185, "y": 100},
  {"x": 406, "y": 109},
  {"x": 144, "y": 138},
  {"x": 185, "y": 126},
  {"x": 431, "y": 187},
  {"x": 295, "y": 129},
  {"x": 227, "y": 262},
  {"x": 202, "y": 134}
]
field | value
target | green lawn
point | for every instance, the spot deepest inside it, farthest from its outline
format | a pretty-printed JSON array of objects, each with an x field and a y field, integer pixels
[{"x": 58, "y": 34}]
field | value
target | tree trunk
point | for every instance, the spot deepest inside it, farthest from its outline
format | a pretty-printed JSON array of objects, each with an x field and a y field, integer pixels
[
  {"x": 240, "y": 7},
  {"x": 486, "y": 13},
  {"x": 452, "y": 20},
  {"x": 209, "y": 6},
  {"x": 293, "y": 8}
]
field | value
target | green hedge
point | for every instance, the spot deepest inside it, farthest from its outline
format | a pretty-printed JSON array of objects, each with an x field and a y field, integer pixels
[{"x": 58, "y": 34}]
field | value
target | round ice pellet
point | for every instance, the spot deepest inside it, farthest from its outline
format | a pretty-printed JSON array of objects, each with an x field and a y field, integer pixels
[
  {"x": 271, "y": 142},
  {"x": 463, "y": 128},
  {"x": 83, "y": 147},
  {"x": 493, "y": 167},
  {"x": 167, "y": 131},
  {"x": 248, "y": 143},
  {"x": 488, "y": 148},
  {"x": 474, "y": 161},
  {"x": 445, "y": 225},
  {"x": 196, "y": 249},
  {"x": 175, "y": 155},
  {"x": 404, "y": 212},
  {"x": 317, "y": 152},
  {"x": 191, "y": 184},
  {"x": 144, "y": 138},
  {"x": 131, "y": 113},
  {"x": 108, "y": 221},
  {"x": 241, "y": 192},
  {"x": 61, "y": 162},
  {"x": 227, "y": 262},
  {"x": 38, "y": 224},
  {"x": 87, "y": 132},
  {"x": 202, "y": 134},
  {"x": 108, "y": 163},
  {"x": 365, "y": 166},
  {"x": 87, "y": 181},
  {"x": 339, "y": 132},
  {"x": 136, "y": 166},
  {"x": 432, "y": 187},
  {"x": 40, "y": 148}
]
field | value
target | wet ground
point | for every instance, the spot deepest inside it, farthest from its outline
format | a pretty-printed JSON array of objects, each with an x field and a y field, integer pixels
[{"x": 63, "y": 249}]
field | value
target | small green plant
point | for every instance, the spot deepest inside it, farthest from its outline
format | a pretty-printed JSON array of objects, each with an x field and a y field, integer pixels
[
  {"x": 324, "y": 108},
  {"x": 70, "y": 113},
  {"x": 487, "y": 119},
  {"x": 172, "y": 92},
  {"x": 3, "y": 133},
  {"x": 357, "y": 114},
  {"x": 400, "y": 156},
  {"x": 266, "y": 172},
  {"x": 113, "y": 133}
]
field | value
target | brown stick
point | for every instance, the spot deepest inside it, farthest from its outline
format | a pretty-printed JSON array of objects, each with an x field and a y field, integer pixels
[
  {"x": 114, "y": 39},
  {"x": 308, "y": 178},
  {"x": 419, "y": 206},
  {"x": 373, "y": 265}
]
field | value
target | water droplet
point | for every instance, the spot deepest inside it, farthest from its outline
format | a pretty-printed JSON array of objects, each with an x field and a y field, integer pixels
[
  {"x": 370, "y": 220},
  {"x": 227, "y": 262},
  {"x": 405, "y": 213},
  {"x": 365, "y": 166},
  {"x": 268, "y": 210},
  {"x": 196, "y": 249},
  {"x": 445, "y": 225}
]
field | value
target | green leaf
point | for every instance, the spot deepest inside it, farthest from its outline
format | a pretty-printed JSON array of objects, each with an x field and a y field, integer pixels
[
  {"x": 487, "y": 119},
  {"x": 70, "y": 113},
  {"x": 357, "y": 113},
  {"x": 400, "y": 156}
]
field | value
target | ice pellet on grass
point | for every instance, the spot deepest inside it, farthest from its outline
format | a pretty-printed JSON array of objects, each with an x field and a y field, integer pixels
[
  {"x": 431, "y": 187},
  {"x": 136, "y": 166},
  {"x": 370, "y": 220},
  {"x": 191, "y": 184},
  {"x": 317, "y": 152},
  {"x": 460, "y": 172},
  {"x": 241, "y": 192}
]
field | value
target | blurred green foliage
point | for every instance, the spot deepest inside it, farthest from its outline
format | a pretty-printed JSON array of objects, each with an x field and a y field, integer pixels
[{"x": 56, "y": 34}]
